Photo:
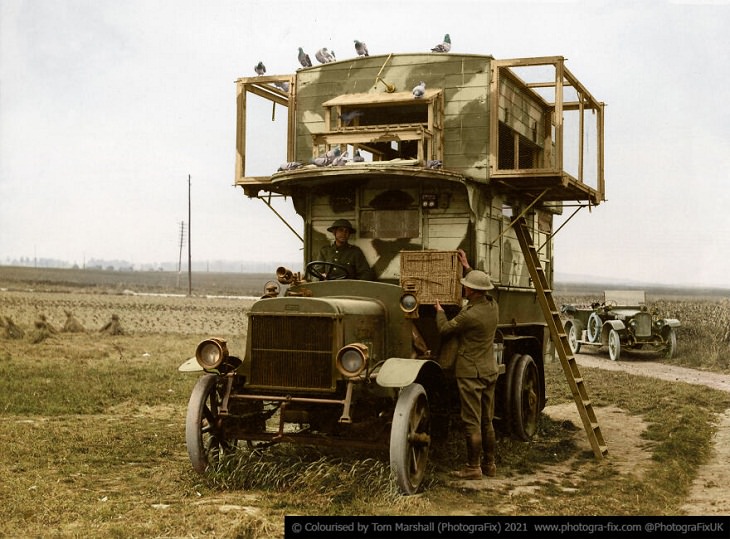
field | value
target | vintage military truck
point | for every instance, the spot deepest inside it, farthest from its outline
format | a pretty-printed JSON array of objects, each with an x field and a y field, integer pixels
[{"x": 360, "y": 363}]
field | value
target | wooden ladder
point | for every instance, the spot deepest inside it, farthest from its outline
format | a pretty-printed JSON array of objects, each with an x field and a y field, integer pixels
[{"x": 560, "y": 339}]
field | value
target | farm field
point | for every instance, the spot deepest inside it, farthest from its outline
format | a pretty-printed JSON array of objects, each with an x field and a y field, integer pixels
[{"x": 93, "y": 424}]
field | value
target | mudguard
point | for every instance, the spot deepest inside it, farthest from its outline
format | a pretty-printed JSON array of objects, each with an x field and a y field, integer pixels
[
  {"x": 191, "y": 365},
  {"x": 400, "y": 372},
  {"x": 618, "y": 325}
]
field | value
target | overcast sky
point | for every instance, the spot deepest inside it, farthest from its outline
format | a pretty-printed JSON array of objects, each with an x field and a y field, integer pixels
[{"x": 107, "y": 107}]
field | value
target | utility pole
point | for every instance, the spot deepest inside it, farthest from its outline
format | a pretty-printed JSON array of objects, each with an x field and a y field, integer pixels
[
  {"x": 190, "y": 252},
  {"x": 182, "y": 242}
]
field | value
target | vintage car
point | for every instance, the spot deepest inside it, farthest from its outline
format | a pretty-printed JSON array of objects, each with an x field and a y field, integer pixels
[{"x": 622, "y": 320}]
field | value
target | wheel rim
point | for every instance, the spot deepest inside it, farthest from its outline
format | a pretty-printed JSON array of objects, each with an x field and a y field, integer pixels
[
  {"x": 573, "y": 338},
  {"x": 204, "y": 433},
  {"x": 526, "y": 399},
  {"x": 671, "y": 347},
  {"x": 594, "y": 327},
  {"x": 410, "y": 438},
  {"x": 614, "y": 345}
]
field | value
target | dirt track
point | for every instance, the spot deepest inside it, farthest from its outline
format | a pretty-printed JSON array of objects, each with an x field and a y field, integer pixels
[{"x": 710, "y": 493}]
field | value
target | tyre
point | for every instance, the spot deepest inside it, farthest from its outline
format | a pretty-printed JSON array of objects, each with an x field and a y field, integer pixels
[
  {"x": 410, "y": 438},
  {"x": 614, "y": 345},
  {"x": 204, "y": 434},
  {"x": 526, "y": 398},
  {"x": 670, "y": 340},
  {"x": 594, "y": 327},
  {"x": 572, "y": 333}
]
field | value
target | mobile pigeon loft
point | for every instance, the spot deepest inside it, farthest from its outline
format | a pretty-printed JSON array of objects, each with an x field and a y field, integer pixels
[{"x": 482, "y": 159}]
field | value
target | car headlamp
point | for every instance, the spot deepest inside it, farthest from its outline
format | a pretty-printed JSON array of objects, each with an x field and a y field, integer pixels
[
  {"x": 211, "y": 353},
  {"x": 352, "y": 359}
]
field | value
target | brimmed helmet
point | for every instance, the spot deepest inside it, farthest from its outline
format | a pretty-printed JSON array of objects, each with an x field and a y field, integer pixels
[
  {"x": 341, "y": 223},
  {"x": 477, "y": 280}
]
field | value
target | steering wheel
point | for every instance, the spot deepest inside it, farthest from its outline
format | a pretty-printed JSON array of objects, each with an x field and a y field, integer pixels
[{"x": 325, "y": 275}]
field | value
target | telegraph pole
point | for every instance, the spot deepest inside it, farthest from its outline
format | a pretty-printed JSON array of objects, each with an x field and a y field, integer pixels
[
  {"x": 190, "y": 252},
  {"x": 182, "y": 242}
]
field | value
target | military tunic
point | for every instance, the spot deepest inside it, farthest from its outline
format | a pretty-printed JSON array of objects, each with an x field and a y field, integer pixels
[
  {"x": 475, "y": 367},
  {"x": 349, "y": 256}
]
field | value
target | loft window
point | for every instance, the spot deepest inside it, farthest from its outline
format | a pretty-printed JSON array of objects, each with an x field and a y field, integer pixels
[{"x": 387, "y": 125}]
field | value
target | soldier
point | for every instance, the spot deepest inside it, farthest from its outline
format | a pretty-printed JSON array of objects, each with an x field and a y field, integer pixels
[
  {"x": 343, "y": 253},
  {"x": 475, "y": 369}
]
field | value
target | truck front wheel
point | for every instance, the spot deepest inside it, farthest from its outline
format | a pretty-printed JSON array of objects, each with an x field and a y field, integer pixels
[
  {"x": 204, "y": 436},
  {"x": 410, "y": 438}
]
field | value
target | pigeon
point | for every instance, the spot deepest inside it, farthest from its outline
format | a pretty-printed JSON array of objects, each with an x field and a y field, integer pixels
[
  {"x": 260, "y": 68},
  {"x": 419, "y": 90},
  {"x": 291, "y": 165},
  {"x": 434, "y": 163},
  {"x": 324, "y": 56},
  {"x": 304, "y": 58},
  {"x": 361, "y": 48},
  {"x": 283, "y": 86},
  {"x": 340, "y": 160},
  {"x": 443, "y": 47},
  {"x": 357, "y": 158},
  {"x": 333, "y": 153},
  {"x": 321, "y": 161},
  {"x": 349, "y": 116}
]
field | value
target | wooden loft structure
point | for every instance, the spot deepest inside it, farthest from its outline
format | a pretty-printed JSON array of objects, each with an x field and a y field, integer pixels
[
  {"x": 514, "y": 161},
  {"x": 526, "y": 126}
]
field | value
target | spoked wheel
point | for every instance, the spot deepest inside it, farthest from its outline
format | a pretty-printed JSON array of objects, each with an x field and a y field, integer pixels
[
  {"x": 670, "y": 340},
  {"x": 526, "y": 398},
  {"x": 204, "y": 434},
  {"x": 614, "y": 345},
  {"x": 572, "y": 332},
  {"x": 594, "y": 327},
  {"x": 410, "y": 438}
]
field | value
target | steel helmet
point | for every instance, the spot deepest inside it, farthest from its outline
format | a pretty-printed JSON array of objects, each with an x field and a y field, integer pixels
[
  {"x": 341, "y": 223},
  {"x": 477, "y": 280}
]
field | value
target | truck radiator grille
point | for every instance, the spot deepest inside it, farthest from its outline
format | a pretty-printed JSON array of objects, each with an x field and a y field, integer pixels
[
  {"x": 643, "y": 324},
  {"x": 292, "y": 352}
]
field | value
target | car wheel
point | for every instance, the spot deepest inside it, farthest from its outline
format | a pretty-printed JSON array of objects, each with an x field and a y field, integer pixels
[
  {"x": 594, "y": 327},
  {"x": 526, "y": 398},
  {"x": 614, "y": 345},
  {"x": 204, "y": 435},
  {"x": 572, "y": 333},
  {"x": 410, "y": 438},
  {"x": 670, "y": 341}
]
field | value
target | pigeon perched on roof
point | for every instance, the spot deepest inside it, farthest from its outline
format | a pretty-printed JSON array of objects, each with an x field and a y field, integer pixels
[
  {"x": 324, "y": 56},
  {"x": 260, "y": 68},
  {"x": 283, "y": 86},
  {"x": 434, "y": 163},
  {"x": 445, "y": 46},
  {"x": 291, "y": 165},
  {"x": 340, "y": 160},
  {"x": 357, "y": 158},
  {"x": 419, "y": 90},
  {"x": 334, "y": 152},
  {"x": 361, "y": 48},
  {"x": 304, "y": 58},
  {"x": 321, "y": 161}
]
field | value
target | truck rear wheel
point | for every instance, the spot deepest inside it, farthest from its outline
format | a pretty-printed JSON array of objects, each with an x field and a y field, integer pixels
[
  {"x": 525, "y": 398},
  {"x": 410, "y": 438}
]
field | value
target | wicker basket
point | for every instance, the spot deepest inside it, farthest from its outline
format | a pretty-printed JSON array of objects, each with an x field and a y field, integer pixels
[{"x": 431, "y": 276}]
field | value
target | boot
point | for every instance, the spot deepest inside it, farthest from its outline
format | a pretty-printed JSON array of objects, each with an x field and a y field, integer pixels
[
  {"x": 489, "y": 444},
  {"x": 472, "y": 470}
]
